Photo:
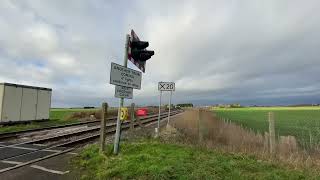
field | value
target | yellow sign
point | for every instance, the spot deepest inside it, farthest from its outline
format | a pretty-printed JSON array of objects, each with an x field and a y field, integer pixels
[{"x": 124, "y": 114}]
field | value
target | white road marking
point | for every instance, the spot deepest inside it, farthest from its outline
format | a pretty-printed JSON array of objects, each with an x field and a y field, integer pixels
[
  {"x": 11, "y": 162},
  {"x": 25, "y": 148},
  {"x": 72, "y": 153},
  {"x": 50, "y": 150},
  {"x": 31, "y": 149},
  {"x": 40, "y": 145},
  {"x": 49, "y": 170}
]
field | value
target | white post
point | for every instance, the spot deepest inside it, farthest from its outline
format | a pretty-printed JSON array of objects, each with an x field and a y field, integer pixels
[
  {"x": 118, "y": 128},
  {"x": 169, "y": 108},
  {"x": 158, "y": 128}
]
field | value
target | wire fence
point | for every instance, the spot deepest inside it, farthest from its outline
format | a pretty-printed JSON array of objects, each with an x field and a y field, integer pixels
[{"x": 267, "y": 134}]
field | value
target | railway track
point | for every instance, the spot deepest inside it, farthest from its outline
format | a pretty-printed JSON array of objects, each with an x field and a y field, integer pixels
[
  {"x": 29, "y": 152},
  {"x": 15, "y": 134}
]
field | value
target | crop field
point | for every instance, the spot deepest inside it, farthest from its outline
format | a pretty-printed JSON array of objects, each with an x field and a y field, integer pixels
[
  {"x": 301, "y": 122},
  {"x": 62, "y": 113}
]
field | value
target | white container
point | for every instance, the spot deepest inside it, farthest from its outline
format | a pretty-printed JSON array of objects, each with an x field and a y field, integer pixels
[{"x": 24, "y": 103}]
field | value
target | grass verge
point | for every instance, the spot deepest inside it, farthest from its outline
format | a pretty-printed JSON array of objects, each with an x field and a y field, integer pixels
[{"x": 151, "y": 159}]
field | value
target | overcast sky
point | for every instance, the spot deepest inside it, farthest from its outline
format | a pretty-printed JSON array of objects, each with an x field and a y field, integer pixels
[{"x": 228, "y": 51}]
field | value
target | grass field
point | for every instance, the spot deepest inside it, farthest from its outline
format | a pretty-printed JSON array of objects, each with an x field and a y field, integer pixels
[
  {"x": 300, "y": 122},
  {"x": 151, "y": 159},
  {"x": 61, "y": 114},
  {"x": 58, "y": 116}
]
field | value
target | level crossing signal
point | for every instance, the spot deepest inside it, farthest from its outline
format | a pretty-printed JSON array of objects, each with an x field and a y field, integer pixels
[{"x": 138, "y": 54}]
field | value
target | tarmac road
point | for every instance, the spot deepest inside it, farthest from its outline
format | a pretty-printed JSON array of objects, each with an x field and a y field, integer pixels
[{"x": 56, "y": 168}]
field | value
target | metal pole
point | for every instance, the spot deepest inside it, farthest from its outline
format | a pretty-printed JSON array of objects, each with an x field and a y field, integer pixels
[
  {"x": 104, "y": 114},
  {"x": 169, "y": 108},
  {"x": 159, "y": 110},
  {"x": 158, "y": 129},
  {"x": 118, "y": 129}
]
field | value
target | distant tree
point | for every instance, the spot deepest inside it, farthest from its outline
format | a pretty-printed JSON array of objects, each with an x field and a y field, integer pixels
[
  {"x": 88, "y": 107},
  {"x": 185, "y": 105},
  {"x": 235, "y": 105}
]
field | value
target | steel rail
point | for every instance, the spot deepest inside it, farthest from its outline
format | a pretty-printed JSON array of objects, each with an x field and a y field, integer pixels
[{"x": 14, "y": 134}]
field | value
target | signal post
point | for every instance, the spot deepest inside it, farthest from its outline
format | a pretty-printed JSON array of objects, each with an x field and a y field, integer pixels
[
  {"x": 164, "y": 86},
  {"x": 128, "y": 79}
]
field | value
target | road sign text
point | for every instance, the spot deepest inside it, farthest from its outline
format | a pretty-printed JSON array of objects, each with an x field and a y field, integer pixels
[
  {"x": 122, "y": 76},
  {"x": 123, "y": 92},
  {"x": 166, "y": 86}
]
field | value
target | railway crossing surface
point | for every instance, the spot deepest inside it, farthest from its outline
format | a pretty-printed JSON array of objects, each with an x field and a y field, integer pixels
[
  {"x": 51, "y": 169},
  {"x": 32, "y": 160},
  {"x": 12, "y": 155}
]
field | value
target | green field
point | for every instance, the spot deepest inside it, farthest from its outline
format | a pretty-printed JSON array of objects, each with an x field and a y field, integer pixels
[
  {"x": 62, "y": 114},
  {"x": 151, "y": 159},
  {"x": 58, "y": 116},
  {"x": 300, "y": 122}
]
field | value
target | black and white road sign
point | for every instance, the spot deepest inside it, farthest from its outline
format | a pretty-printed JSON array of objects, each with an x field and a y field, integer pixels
[
  {"x": 166, "y": 86},
  {"x": 122, "y": 76},
  {"x": 123, "y": 92}
]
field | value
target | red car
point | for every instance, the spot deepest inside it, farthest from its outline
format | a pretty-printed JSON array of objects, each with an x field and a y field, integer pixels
[{"x": 142, "y": 112}]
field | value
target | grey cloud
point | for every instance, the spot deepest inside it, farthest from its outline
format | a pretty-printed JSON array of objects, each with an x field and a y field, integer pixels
[{"x": 216, "y": 51}]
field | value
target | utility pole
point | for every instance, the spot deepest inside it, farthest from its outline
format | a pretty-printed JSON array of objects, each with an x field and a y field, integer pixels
[{"x": 118, "y": 128}]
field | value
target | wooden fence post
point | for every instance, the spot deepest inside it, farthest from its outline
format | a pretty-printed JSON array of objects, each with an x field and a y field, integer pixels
[
  {"x": 104, "y": 114},
  {"x": 310, "y": 139},
  {"x": 272, "y": 139},
  {"x": 200, "y": 128},
  {"x": 132, "y": 116}
]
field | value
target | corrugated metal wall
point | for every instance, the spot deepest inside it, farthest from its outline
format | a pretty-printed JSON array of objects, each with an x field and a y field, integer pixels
[
  {"x": 44, "y": 104},
  {"x": 24, "y": 103},
  {"x": 29, "y": 104},
  {"x": 11, "y": 103}
]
